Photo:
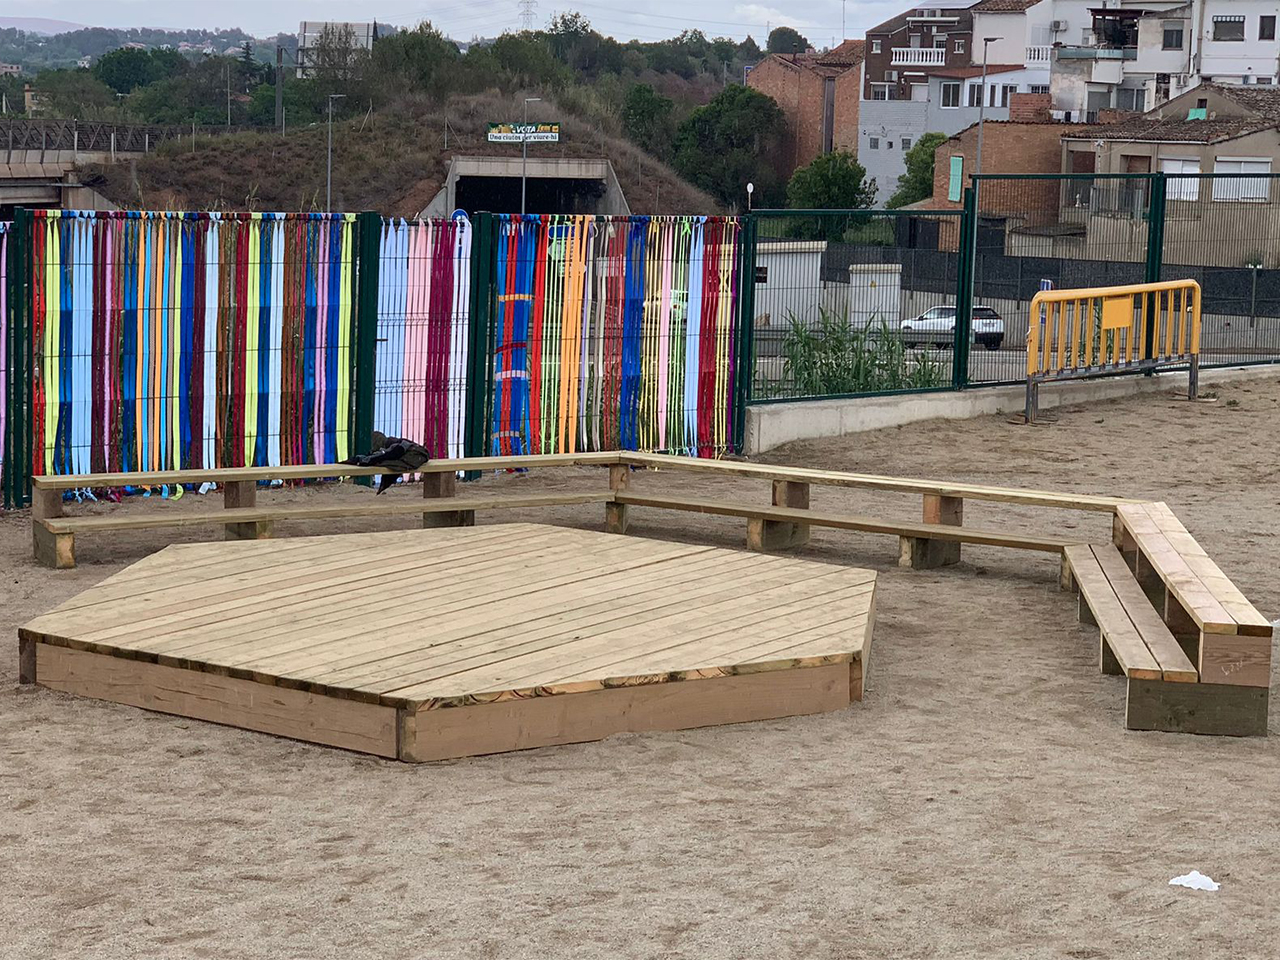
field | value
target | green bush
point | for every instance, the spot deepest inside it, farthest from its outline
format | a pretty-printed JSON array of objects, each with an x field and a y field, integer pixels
[{"x": 835, "y": 358}]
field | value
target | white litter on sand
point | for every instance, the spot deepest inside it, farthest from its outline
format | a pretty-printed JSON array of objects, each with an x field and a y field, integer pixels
[{"x": 1195, "y": 880}]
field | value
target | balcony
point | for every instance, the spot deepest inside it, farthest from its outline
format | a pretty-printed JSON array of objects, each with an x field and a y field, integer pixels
[
  {"x": 1039, "y": 54},
  {"x": 1097, "y": 53},
  {"x": 919, "y": 57}
]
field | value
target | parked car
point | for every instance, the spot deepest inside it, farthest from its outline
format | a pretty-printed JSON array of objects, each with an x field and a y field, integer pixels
[{"x": 937, "y": 325}]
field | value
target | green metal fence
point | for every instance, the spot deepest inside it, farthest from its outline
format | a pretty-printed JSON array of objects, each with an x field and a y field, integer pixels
[{"x": 855, "y": 302}]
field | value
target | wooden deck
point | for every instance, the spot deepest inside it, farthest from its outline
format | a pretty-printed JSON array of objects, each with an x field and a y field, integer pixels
[{"x": 432, "y": 644}]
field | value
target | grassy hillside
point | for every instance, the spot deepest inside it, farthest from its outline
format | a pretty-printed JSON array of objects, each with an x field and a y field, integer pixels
[{"x": 393, "y": 161}]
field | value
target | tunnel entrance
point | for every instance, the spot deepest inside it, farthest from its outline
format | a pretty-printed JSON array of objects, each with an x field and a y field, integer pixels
[{"x": 543, "y": 195}]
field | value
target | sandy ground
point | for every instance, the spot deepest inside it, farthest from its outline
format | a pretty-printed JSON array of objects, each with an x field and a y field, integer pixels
[{"x": 983, "y": 801}]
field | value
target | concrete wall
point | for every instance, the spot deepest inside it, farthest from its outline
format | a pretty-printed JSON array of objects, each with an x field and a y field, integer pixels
[
  {"x": 889, "y": 121},
  {"x": 613, "y": 203},
  {"x": 774, "y": 424}
]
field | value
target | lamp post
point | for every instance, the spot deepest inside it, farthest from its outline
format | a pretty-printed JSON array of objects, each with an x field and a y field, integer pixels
[
  {"x": 982, "y": 99},
  {"x": 524, "y": 148},
  {"x": 328, "y": 190}
]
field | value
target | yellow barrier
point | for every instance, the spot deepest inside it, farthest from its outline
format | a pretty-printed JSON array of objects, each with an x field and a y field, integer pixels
[{"x": 1075, "y": 334}]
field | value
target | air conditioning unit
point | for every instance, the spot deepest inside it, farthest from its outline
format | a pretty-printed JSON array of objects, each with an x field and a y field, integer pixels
[{"x": 1059, "y": 26}]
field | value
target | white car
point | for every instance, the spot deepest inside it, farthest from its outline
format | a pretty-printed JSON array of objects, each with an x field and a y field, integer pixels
[{"x": 937, "y": 325}]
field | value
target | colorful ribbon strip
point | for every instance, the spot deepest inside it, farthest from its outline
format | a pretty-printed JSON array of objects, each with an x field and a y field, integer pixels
[
  {"x": 164, "y": 341},
  {"x": 615, "y": 333}
]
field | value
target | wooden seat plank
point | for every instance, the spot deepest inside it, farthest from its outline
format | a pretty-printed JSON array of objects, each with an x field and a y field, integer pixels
[
  {"x": 1117, "y": 630},
  {"x": 320, "y": 471},
  {"x": 1173, "y": 662},
  {"x": 845, "y": 521},
  {"x": 970, "y": 491},
  {"x": 335, "y": 511}
]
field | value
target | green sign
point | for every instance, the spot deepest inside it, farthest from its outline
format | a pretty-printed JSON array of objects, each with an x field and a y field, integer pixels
[{"x": 524, "y": 133}]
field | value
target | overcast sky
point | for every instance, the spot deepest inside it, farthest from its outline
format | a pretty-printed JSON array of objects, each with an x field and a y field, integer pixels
[{"x": 819, "y": 20}]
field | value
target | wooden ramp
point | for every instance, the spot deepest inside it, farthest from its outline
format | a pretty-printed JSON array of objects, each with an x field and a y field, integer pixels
[{"x": 432, "y": 644}]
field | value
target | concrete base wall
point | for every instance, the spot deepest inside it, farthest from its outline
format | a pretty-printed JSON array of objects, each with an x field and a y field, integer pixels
[{"x": 773, "y": 424}]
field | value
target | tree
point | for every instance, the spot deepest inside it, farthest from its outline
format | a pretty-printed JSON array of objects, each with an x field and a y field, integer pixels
[
  {"x": 833, "y": 181},
  {"x": 786, "y": 40},
  {"x": 646, "y": 118},
  {"x": 734, "y": 140},
  {"x": 917, "y": 182},
  {"x": 128, "y": 68}
]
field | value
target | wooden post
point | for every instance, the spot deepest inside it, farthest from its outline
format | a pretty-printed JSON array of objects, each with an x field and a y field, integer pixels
[
  {"x": 443, "y": 486},
  {"x": 922, "y": 553},
  {"x": 615, "y": 514},
  {"x": 767, "y": 535},
  {"x": 238, "y": 494},
  {"x": 1124, "y": 542},
  {"x": 1107, "y": 660},
  {"x": 1184, "y": 629},
  {"x": 55, "y": 550},
  {"x": 26, "y": 659}
]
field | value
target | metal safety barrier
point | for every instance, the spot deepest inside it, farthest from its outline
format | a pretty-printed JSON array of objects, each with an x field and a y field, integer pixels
[{"x": 1095, "y": 332}]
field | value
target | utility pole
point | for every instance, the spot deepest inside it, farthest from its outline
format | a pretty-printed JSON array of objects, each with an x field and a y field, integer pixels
[
  {"x": 228, "y": 95},
  {"x": 280, "y": 88},
  {"x": 328, "y": 191},
  {"x": 524, "y": 148}
]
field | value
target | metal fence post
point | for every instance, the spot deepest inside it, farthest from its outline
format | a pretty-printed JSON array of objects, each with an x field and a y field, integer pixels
[
  {"x": 478, "y": 366},
  {"x": 1155, "y": 256},
  {"x": 746, "y": 332},
  {"x": 368, "y": 233},
  {"x": 964, "y": 289}
]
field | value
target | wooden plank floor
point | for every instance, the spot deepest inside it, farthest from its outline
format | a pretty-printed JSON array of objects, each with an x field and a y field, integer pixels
[{"x": 428, "y": 644}]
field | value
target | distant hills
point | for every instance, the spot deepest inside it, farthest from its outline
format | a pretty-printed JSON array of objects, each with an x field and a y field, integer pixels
[{"x": 39, "y": 25}]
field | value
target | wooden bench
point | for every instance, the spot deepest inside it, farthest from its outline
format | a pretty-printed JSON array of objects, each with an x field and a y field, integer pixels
[
  {"x": 913, "y": 537},
  {"x": 1163, "y": 688},
  {"x": 53, "y": 533},
  {"x": 924, "y": 547},
  {"x": 1229, "y": 640}
]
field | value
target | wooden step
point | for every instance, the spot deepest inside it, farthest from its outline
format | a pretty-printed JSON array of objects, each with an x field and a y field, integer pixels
[
  {"x": 1130, "y": 629},
  {"x": 845, "y": 521}
]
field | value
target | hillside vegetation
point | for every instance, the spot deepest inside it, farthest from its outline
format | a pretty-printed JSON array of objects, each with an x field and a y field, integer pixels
[{"x": 392, "y": 161}]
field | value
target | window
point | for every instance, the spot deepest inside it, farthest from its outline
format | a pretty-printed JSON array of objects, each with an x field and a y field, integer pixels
[
  {"x": 1182, "y": 187},
  {"x": 1202, "y": 103},
  {"x": 1264, "y": 80},
  {"x": 1172, "y": 36},
  {"x": 1267, "y": 27},
  {"x": 875, "y": 46},
  {"x": 888, "y": 145},
  {"x": 975, "y": 94},
  {"x": 939, "y": 43},
  {"x": 959, "y": 48},
  {"x": 1039, "y": 88},
  {"x": 950, "y": 95},
  {"x": 1131, "y": 98},
  {"x": 1228, "y": 28},
  {"x": 1237, "y": 184},
  {"x": 1007, "y": 91},
  {"x": 906, "y": 144},
  {"x": 880, "y": 91},
  {"x": 874, "y": 143}
]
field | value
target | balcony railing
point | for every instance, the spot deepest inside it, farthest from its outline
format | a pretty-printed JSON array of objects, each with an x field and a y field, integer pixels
[
  {"x": 1040, "y": 53},
  {"x": 919, "y": 57}
]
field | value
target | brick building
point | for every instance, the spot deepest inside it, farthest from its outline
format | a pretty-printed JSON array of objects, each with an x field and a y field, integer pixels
[
  {"x": 818, "y": 94},
  {"x": 902, "y": 52}
]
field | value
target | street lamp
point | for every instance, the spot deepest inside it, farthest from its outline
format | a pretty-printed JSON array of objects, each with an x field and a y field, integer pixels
[
  {"x": 524, "y": 147},
  {"x": 328, "y": 190},
  {"x": 982, "y": 99}
]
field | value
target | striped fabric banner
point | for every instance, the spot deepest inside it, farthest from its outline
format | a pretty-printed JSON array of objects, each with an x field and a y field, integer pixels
[
  {"x": 171, "y": 340},
  {"x": 424, "y": 312},
  {"x": 615, "y": 333},
  {"x": 4, "y": 335}
]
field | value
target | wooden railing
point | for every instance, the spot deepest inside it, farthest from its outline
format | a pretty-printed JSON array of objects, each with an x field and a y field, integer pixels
[{"x": 1076, "y": 334}]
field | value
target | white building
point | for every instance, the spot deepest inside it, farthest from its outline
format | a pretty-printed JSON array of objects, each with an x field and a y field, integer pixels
[{"x": 1138, "y": 55}]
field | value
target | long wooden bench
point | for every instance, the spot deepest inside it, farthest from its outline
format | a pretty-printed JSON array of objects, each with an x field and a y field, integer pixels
[
  {"x": 761, "y": 520},
  {"x": 53, "y": 533}
]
